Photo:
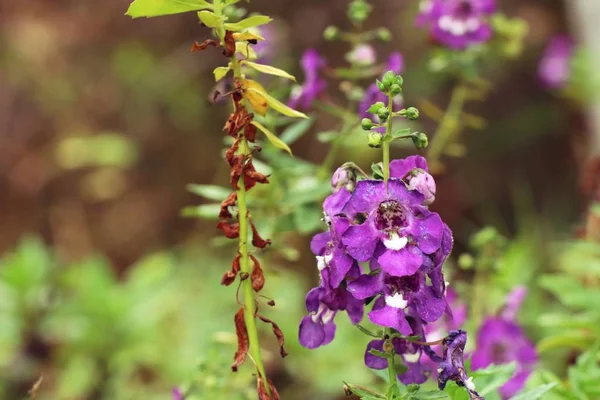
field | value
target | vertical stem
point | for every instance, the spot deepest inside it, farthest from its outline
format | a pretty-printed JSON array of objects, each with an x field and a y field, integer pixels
[
  {"x": 391, "y": 367},
  {"x": 386, "y": 142},
  {"x": 249, "y": 299},
  {"x": 336, "y": 146},
  {"x": 449, "y": 124}
]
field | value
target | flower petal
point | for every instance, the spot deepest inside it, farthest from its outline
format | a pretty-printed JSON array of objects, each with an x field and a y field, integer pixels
[
  {"x": 366, "y": 286},
  {"x": 402, "y": 262},
  {"x": 389, "y": 317},
  {"x": 373, "y": 361},
  {"x": 360, "y": 241},
  {"x": 431, "y": 230},
  {"x": 318, "y": 244},
  {"x": 311, "y": 334},
  {"x": 402, "y": 167},
  {"x": 367, "y": 195},
  {"x": 339, "y": 266}
]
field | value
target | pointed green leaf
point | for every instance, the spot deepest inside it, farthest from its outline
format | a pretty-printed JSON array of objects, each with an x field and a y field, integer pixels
[
  {"x": 295, "y": 131},
  {"x": 375, "y": 107},
  {"x": 275, "y": 141},
  {"x": 220, "y": 72},
  {"x": 431, "y": 395},
  {"x": 267, "y": 69},
  {"x": 209, "y": 19},
  {"x": 211, "y": 192},
  {"x": 246, "y": 50},
  {"x": 156, "y": 8},
  {"x": 249, "y": 22},
  {"x": 364, "y": 393},
  {"x": 536, "y": 393},
  {"x": 280, "y": 107},
  {"x": 205, "y": 211}
]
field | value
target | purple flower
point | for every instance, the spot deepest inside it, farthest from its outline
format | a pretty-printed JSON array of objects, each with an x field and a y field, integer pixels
[
  {"x": 395, "y": 223},
  {"x": 501, "y": 340},
  {"x": 177, "y": 394},
  {"x": 373, "y": 94},
  {"x": 555, "y": 67},
  {"x": 414, "y": 171},
  {"x": 457, "y": 23},
  {"x": 452, "y": 366},
  {"x": 266, "y": 49},
  {"x": 303, "y": 96}
]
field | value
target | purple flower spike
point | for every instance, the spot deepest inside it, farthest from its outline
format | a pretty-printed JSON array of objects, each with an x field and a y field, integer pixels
[
  {"x": 303, "y": 96},
  {"x": 555, "y": 67},
  {"x": 457, "y": 24},
  {"x": 373, "y": 94},
  {"x": 501, "y": 340}
]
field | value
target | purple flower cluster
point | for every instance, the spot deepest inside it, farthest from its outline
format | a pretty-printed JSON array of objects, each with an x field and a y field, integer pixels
[
  {"x": 457, "y": 24},
  {"x": 388, "y": 226},
  {"x": 501, "y": 340}
]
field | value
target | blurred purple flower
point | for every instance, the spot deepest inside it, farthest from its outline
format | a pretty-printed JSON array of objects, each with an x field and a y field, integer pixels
[
  {"x": 555, "y": 67},
  {"x": 373, "y": 94},
  {"x": 177, "y": 394},
  {"x": 501, "y": 340},
  {"x": 363, "y": 54},
  {"x": 265, "y": 49},
  {"x": 457, "y": 23},
  {"x": 303, "y": 96}
]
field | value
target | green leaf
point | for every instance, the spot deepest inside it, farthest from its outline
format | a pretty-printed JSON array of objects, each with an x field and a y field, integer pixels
[
  {"x": 209, "y": 19},
  {"x": 364, "y": 393},
  {"x": 431, "y": 395},
  {"x": 535, "y": 393},
  {"x": 211, "y": 192},
  {"x": 327, "y": 136},
  {"x": 249, "y": 22},
  {"x": 295, "y": 131},
  {"x": 279, "y": 106},
  {"x": 220, "y": 73},
  {"x": 400, "y": 133},
  {"x": 267, "y": 69},
  {"x": 205, "y": 211},
  {"x": 375, "y": 107},
  {"x": 156, "y": 8},
  {"x": 246, "y": 50},
  {"x": 567, "y": 340},
  {"x": 275, "y": 141},
  {"x": 494, "y": 376}
]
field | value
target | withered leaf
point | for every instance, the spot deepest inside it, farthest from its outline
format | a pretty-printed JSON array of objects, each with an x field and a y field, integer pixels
[
  {"x": 277, "y": 332},
  {"x": 257, "y": 277},
  {"x": 262, "y": 392},
  {"x": 231, "y": 231},
  {"x": 258, "y": 241},
  {"x": 229, "y": 48},
  {"x": 243, "y": 341},
  {"x": 229, "y": 276},
  {"x": 197, "y": 46}
]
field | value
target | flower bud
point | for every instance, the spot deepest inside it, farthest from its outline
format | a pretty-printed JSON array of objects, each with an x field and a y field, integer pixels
[
  {"x": 375, "y": 139},
  {"x": 359, "y": 10},
  {"x": 389, "y": 78},
  {"x": 366, "y": 124},
  {"x": 384, "y": 34},
  {"x": 383, "y": 113},
  {"x": 380, "y": 85},
  {"x": 363, "y": 55},
  {"x": 423, "y": 183},
  {"x": 388, "y": 347},
  {"x": 344, "y": 177},
  {"x": 412, "y": 113},
  {"x": 331, "y": 32},
  {"x": 420, "y": 140},
  {"x": 395, "y": 89}
]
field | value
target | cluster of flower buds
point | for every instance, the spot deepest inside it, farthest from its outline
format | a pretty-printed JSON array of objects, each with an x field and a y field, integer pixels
[{"x": 387, "y": 226}]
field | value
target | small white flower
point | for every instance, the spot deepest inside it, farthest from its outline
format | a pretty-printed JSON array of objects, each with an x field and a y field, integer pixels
[
  {"x": 395, "y": 242},
  {"x": 396, "y": 301}
]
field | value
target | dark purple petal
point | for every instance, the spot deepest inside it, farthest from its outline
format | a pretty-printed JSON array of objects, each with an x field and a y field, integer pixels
[
  {"x": 355, "y": 309},
  {"x": 366, "y": 286},
  {"x": 329, "y": 329},
  {"x": 417, "y": 373},
  {"x": 402, "y": 167},
  {"x": 334, "y": 203},
  {"x": 429, "y": 306},
  {"x": 312, "y": 299},
  {"x": 373, "y": 361},
  {"x": 398, "y": 191},
  {"x": 366, "y": 197},
  {"x": 389, "y": 317},
  {"x": 339, "y": 266},
  {"x": 431, "y": 230},
  {"x": 311, "y": 334},
  {"x": 318, "y": 244},
  {"x": 401, "y": 262},
  {"x": 360, "y": 241}
]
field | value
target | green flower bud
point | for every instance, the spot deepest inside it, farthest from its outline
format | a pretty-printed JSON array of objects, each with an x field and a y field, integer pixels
[
  {"x": 366, "y": 124},
  {"x": 380, "y": 85},
  {"x": 466, "y": 261},
  {"x": 384, "y": 34},
  {"x": 375, "y": 139},
  {"x": 331, "y": 32},
  {"x": 412, "y": 113},
  {"x": 395, "y": 89},
  {"x": 399, "y": 80},
  {"x": 389, "y": 78},
  {"x": 420, "y": 140},
  {"x": 359, "y": 10},
  {"x": 383, "y": 114}
]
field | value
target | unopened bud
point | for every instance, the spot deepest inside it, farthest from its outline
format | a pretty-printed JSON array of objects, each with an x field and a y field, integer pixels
[
  {"x": 422, "y": 182},
  {"x": 344, "y": 177},
  {"x": 366, "y": 124},
  {"x": 420, "y": 140},
  {"x": 380, "y": 85},
  {"x": 395, "y": 89},
  {"x": 384, "y": 34},
  {"x": 375, "y": 139},
  {"x": 412, "y": 113},
  {"x": 331, "y": 32},
  {"x": 359, "y": 10},
  {"x": 383, "y": 113},
  {"x": 389, "y": 78}
]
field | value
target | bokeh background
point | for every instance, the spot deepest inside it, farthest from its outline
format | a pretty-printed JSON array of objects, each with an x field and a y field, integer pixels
[{"x": 110, "y": 294}]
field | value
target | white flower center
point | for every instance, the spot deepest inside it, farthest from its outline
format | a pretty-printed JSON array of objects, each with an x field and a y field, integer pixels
[
  {"x": 411, "y": 358},
  {"x": 458, "y": 28},
  {"x": 395, "y": 242},
  {"x": 328, "y": 316},
  {"x": 396, "y": 301},
  {"x": 323, "y": 261},
  {"x": 472, "y": 24},
  {"x": 445, "y": 22},
  {"x": 469, "y": 384}
]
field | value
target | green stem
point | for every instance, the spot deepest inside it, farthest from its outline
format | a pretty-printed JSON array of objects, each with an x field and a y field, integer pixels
[
  {"x": 391, "y": 367},
  {"x": 248, "y": 292},
  {"x": 325, "y": 169},
  {"x": 386, "y": 142},
  {"x": 448, "y": 125}
]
